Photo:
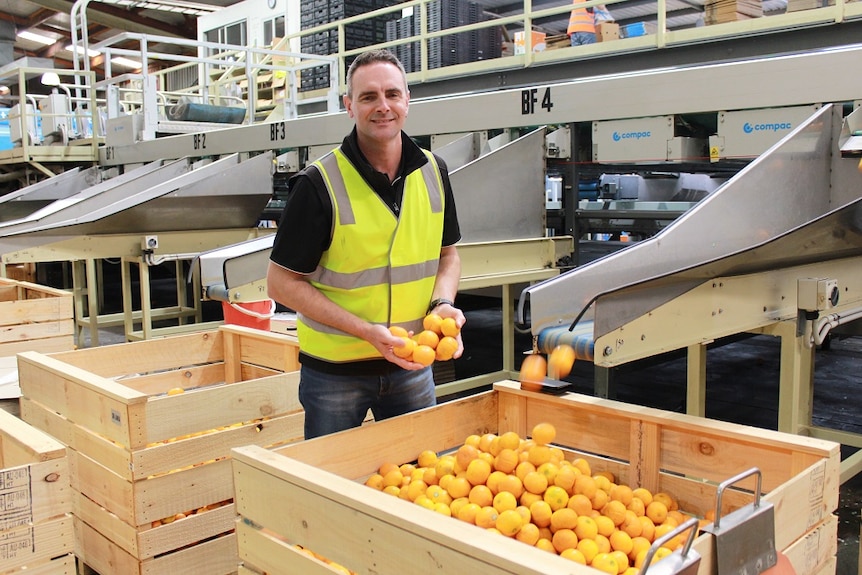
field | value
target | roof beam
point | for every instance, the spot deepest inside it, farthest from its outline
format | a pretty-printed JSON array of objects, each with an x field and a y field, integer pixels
[{"x": 114, "y": 17}]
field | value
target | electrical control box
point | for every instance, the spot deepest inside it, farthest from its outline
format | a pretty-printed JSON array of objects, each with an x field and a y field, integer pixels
[
  {"x": 644, "y": 140},
  {"x": 745, "y": 134},
  {"x": 817, "y": 294}
]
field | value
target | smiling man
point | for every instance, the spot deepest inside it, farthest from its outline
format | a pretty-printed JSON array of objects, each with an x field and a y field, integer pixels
[{"x": 367, "y": 241}]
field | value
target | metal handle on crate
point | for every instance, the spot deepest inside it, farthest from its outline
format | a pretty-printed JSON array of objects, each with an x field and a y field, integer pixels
[
  {"x": 728, "y": 482},
  {"x": 691, "y": 523}
]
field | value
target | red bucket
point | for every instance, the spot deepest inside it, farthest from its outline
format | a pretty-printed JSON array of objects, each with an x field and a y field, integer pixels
[{"x": 256, "y": 314}]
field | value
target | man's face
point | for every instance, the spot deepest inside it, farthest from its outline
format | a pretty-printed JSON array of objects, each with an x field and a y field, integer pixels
[{"x": 379, "y": 102}]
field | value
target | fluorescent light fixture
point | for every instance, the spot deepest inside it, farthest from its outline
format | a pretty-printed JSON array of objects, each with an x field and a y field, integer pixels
[
  {"x": 79, "y": 50},
  {"x": 33, "y": 37},
  {"x": 126, "y": 62}
]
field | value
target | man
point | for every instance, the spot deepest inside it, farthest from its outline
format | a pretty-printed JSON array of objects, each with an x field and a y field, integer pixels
[
  {"x": 367, "y": 241},
  {"x": 582, "y": 25}
]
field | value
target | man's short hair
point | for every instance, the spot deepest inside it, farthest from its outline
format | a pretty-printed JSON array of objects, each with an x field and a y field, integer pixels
[{"x": 371, "y": 57}]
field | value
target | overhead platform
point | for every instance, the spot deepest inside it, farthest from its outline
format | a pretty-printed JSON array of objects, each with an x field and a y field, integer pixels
[{"x": 776, "y": 250}]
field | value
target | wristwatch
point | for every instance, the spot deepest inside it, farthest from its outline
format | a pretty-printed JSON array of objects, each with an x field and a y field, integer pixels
[{"x": 439, "y": 301}]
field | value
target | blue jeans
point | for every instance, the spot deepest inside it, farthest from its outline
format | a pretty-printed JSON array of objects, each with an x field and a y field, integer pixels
[
  {"x": 336, "y": 402},
  {"x": 581, "y": 38}
]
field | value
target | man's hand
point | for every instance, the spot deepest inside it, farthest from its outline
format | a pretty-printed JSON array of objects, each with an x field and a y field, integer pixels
[{"x": 382, "y": 339}]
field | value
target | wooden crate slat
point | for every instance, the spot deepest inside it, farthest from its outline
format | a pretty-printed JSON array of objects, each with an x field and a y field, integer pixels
[
  {"x": 23, "y": 444},
  {"x": 177, "y": 415},
  {"x": 152, "y": 355},
  {"x": 186, "y": 378},
  {"x": 815, "y": 548},
  {"x": 46, "y": 345},
  {"x": 263, "y": 553},
  {"x": 371, "y": 529},
  {"x": 35, "y": 311},
  {"x": 156, "y": 541},
  {"x": 439, "y": 428},
  {"x": 62, "y": 565},
  {"x": 263, "y": 348},
  {"x": 27, "y": 544}
]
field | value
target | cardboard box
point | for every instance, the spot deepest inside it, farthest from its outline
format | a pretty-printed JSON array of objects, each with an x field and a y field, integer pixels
[
  {"x": 140, "y": 453},
  {"x": 537, "y": 39},
  {"x": 34, "y": 317},
  {"x": 36, "y": 534},
  {"x": 606, "y": 31},
  {"x": 307, "y": 494}
]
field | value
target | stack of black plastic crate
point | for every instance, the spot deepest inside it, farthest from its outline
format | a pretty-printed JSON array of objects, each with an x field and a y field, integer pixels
[
  {"x": 357, "y": 35},
  {"x": 449, "y": 49}
]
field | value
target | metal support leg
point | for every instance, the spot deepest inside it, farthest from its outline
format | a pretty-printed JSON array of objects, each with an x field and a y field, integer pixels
[
  {"x": 695, "y": 397},
  {"x": 796, "y": 388},
  {"x": 508, "y": 329},
  {"x": 126, "y": 280},
  {"x": 604, "y": 383}
]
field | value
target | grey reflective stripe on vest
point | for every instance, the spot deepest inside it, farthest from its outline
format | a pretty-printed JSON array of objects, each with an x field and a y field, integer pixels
[
  {"x": 414, "y": 326},
  {"x": 375, "y": 276},
  {"x": 329, "y": 162},
  {"x": 333, "y": 176}
]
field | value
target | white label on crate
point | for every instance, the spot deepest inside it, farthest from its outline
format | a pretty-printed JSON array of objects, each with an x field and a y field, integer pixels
[
  {"x": 16, "y": 502},
  {"x": 115, "y": 417}
]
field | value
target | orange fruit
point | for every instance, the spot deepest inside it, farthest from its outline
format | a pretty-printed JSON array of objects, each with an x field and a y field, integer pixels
[
  {"x": 393, "y": 477},
  {"x": 588, "y": 548},
  {"x": 494, "y": 479},
  {"x": 546, "y": 545},
  {"x": 637, "y": 506},
  {"x": 511, "y": 484},
  {"x": 621, "y": 541},
  {"x": 528, "y": 534},
  {"x": 459, "y": 487},
  {"x": 449, "y": 327},
  {"x": 467, "y": 512},
  {"x": 574, "y": 555},
  {"x": 605, "y": 525},
  {"x": 622, "y": 493},
  {"x": 405, "y": 350},
  {"x": 565, "y": 478},
  {"x": 464, "y": 455},
  {"x": 375, "y": 481},
  {"x": 648, "y": 531},
  {"x": 533, "y": 371},
  {"x": 510, "y": 440},
  {"x": 580, "y": 503},
  {"x": 398, "y": 331},
  {"x": 556, "y": 497},
  {"x": 544, "y": 433},
  {"x": 432, "y": 322},
  {"x": 564, "y": 518},
  {"x": 445, "y": 466},
  {"x": 535, "y": 482},
  {"x": 564, "y": 539},
  {"x": 539, "y": 454},
  {"x": 176, "y": 391},
  {"x": 428, "y": 458},
  {"x": 424, "y": 355},
  {"x": 643, "y": 494},
  {"x": 586, "y": 527},
  {"x": 416, "y": 488},
  {"x": 527, "y": 498},
  {"x": 560, "y": 361},
  {"x": 657, "y": 512},
  {"x": 506, "y": 461},
  {"x": 392, "y": 490},
  {"x": 504, "y": 501},
  {"x": 585, "y": 485},
  {"x": 600, "y": 499},
  {"x": 478, "y": 471},
  {"x": 541, "y": 513},
  {"x": 550, "y": 471},
  {"x": 638, "y": 544},
  {"x": 622, "y": 560},
  {"x": 487, "y": 517},
  {"x": 481, "y": 496},
  {"x": 446, "y": 348},
  {"x": 631, "y": 524},
  {"x": 615, "y": 510},
  {"x": 429, "y": 338},
  {"x": 509, "y": 522},
  {"x": 524, "y": 467},
  {"x": 605, "y": 562},
  {"x": 668, "y": 501},
  {"x": 438, "y": 495}
]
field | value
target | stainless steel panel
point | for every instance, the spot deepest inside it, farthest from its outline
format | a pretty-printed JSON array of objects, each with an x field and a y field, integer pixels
[
  {"x": 501, "y": 195},
  {"x": 23, "y": 202},
  {"x": 780, "y": 191}
]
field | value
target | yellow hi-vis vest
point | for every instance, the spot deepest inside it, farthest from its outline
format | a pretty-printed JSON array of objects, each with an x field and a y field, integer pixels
[
  {"x": 580, "y": 20},
  {"x": 379, "y": 266}
]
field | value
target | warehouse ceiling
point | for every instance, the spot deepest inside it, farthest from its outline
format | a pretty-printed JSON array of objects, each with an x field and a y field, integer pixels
[{"x": 42, "y": 28}]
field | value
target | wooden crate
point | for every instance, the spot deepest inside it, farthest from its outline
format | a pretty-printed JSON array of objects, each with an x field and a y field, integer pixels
[
  {"x": 139, "y": 454},
  {"x": 34, "y": 318},
  {"x": 36, "y": 533},
  {"x": 306, "y": 493}
]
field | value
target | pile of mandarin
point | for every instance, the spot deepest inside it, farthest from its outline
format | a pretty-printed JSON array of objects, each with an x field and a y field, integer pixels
[
  {"x": 436, "y": 341},
  {"x": 527, "y": 490}
]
